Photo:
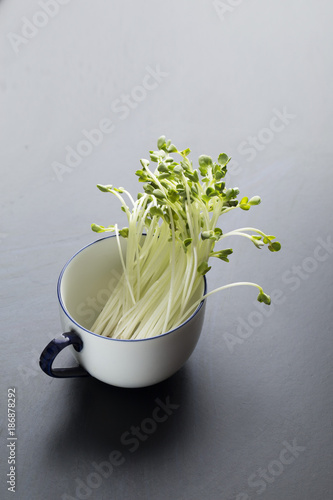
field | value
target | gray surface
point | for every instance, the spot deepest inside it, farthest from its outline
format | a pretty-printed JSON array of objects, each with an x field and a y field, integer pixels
[{"x": 225, "y": 77}]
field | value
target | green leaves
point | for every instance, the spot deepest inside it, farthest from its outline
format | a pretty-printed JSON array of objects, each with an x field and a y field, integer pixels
[
  {"x": 154, "y": 157},
  {"x": 109, "y": 188},
  {"x": 246, "y": 204},
  {"x": 222, "y": 254},
  {"x": 264, "y": 239},
  {"x": 223, "y": 159},
  {"x": 101, "y": 229},
  {"x": 104, "y": 189},
  {"x": 163, "y": 168},
  {"x": 203, "y": 268},
  {"x": 213, "y": 234},
  {"x": 143, "y": 177},
  {"x": 275, "y": 246},
  {"x": 97, "y": 228},
  {"x": 124, "y": 232},
  {"x": 173, "y": 195},
  {"x": 204, "y": 163},
  {"x": 255, "y": 200},
  {"x": 178, "y": 170},
  {"x": 109, "y": 229},
  {"x": 231, "y": 193},
  {"x": 193, "y": 176},
  {"x": 263, "y": 297},
  {"x": 158, "y": 194},
  {"x": 185, "y": 152},
  {"x": 210, "y": 192},
  {"x": 156, "y": 212},
  {"x": 161, "y": 141}
]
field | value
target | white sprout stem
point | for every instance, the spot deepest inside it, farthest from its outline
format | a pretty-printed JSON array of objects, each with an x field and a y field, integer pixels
[
  {"x": 216, "y": 214},
  {"x": 219, "y": 289},
  {"x": 130, "y": 196},
  {"x": 191, "y": 270},
  {"x": 243, "y": 229},
  {"x": 236, "y": 233},
  {"x": 123, "y": 265},
  {"x": 172, "y": 270},
  {"x": 122, "y": 201}
]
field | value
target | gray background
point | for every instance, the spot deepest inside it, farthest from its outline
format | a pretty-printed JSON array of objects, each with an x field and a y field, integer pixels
[{"x": 227, "y": 71}]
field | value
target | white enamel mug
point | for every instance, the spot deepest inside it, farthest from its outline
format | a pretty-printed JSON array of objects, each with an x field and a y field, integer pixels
[{"x": 83, "y": 287}]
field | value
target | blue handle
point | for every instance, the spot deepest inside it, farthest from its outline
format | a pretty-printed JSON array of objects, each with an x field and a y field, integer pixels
[{"x": 52, "y": 350}]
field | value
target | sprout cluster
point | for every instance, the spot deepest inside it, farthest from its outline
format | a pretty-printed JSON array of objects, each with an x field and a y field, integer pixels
[{"x": 178, "y": 210}]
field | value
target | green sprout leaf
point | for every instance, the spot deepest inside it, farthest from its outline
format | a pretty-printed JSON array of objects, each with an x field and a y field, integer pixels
[
  {"x": 161, "y": 141},
  {"x": 263, "y": 297},
  {"x": 203, "y": 268},
  {"x": 193, "y": 176},
  {"x": 255, "y": 200},
  {"x": 173, "y": 195},
  {"x": 275, "y": 246},
  {"x": 124, "y": 232},
  {"x": 206, "y": 235},
  {"x": 97, "y": 228},
  {"x": 223, "y": 159},
  {"x": 178, "y": 170},
  {"x": 204, "y": 162},
  {"x": 210, "y": 192},
  {"x": 156, "y": 212},
  {"x": 101, "y": 229},
  {"x": 158, "y": 194},
  {"x": 222, "y": 254},
  {"x": 163, "y": 168},
  {"x": 185, "y": 152},
  {"x": 104, "y": 189}
]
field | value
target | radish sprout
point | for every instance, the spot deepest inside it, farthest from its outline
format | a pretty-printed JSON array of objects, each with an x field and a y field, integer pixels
[{"x": 171, "y": 235}]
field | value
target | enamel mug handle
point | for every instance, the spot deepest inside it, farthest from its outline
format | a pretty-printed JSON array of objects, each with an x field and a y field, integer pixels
[{"x": 52, "y": 350}]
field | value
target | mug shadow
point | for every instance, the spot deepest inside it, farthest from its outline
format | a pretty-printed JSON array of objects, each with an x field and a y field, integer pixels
[{"x": 101, "y": 417}]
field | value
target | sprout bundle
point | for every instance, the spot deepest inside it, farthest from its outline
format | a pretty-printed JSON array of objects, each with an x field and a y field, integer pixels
[{"x": 178, "y": 212}]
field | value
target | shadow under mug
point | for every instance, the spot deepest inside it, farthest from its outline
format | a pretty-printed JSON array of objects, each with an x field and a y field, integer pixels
[{"x": 84, "y": 285}]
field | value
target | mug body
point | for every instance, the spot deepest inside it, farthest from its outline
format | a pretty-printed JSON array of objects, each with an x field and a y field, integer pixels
[{"x": 84, "y": 286}]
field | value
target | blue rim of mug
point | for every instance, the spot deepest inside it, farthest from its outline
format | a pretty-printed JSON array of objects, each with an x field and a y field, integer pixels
[{"x": 63, "y": 307}]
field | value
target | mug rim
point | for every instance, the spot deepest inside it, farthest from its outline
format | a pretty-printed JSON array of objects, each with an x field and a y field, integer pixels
[{"x": 63, "y": 307}]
